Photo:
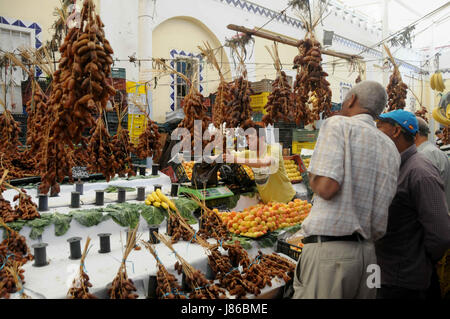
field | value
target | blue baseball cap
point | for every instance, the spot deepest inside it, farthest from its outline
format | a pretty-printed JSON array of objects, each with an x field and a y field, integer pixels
[{"x": 405, "y": 119}]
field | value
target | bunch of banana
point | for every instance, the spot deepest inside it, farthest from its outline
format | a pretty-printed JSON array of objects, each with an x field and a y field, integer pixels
[
  {"x": 158, "y": 199},
  {"x": 437, "y": 82},
  {"x": 440, "y": 117}
]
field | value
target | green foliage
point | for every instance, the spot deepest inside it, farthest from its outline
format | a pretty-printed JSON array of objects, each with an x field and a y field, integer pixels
[{"x": 187, "y": 207}]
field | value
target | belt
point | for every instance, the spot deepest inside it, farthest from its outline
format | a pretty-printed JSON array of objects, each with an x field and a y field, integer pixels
[{"x": 317, "y": 239}]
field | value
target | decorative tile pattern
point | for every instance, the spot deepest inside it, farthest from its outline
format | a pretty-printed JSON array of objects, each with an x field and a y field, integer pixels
[
  {"x": 37, "y": 33},
  {"x": 174, "y": 54},
  {"x": 263, "y": 11}
]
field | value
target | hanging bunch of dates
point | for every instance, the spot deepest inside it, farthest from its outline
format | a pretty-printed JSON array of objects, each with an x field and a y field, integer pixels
[
  {"x": 100, "y": 150},
  {"x": 397, "y": 91},
  {"x": 312, "y": 90},
  {"x": 149, "y": 143},
  {"x": 211, "y": 226},
  {"x": 79, "y": 93},
  {"x": 239, "y": 111},
  {"x": 122, "y": 149},
  {"x": 280, "y": 105}
]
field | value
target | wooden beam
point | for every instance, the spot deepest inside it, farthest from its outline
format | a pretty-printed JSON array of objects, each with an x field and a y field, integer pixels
[{"x": 290, "y": 42}]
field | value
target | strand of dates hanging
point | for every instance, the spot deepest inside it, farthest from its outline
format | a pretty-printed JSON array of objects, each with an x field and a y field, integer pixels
[
  {"x": 201, "y": 288},
  {"x": 312, "y": 90},
  {"x": 397, "y": 90},
  {"x": 280, "y": 105},
  {"x": 239, "y": 110},
  {"x": 123, "y": 287},
  {"x": 167, "y": 285},
  {"x": 80, "y": 91},
  {"x": 80, "y": 286}
]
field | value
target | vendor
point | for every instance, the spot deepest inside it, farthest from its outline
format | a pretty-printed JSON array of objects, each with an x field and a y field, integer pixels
[{"x": 267, "y": 163}]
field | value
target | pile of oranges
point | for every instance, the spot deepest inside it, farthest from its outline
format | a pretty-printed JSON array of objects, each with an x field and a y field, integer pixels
[{"x": 256, "y": 221}]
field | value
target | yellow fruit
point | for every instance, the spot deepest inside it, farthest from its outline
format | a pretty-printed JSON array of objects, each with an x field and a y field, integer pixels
[
  {"x": 156, "y": 197},
  {"x": 147, "y": 202},
  {"x": 151, "y": 198},
  {"x": 157, "y": 204},
  {"x": 432, "y": 83},
  {"x": 172, "y": 205},
  {"x": 438, "y": 116},
  {"x": 440, "y": 82},
  {"x": 165, "y": 206}
]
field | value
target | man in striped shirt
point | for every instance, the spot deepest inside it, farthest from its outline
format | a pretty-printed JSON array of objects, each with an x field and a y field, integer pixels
[{"x": 353, "y": 174}]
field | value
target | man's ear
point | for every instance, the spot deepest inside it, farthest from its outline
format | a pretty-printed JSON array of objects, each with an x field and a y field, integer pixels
[
  {"x": 397, "y": 132},
  {"x": 351, "y": 101}
]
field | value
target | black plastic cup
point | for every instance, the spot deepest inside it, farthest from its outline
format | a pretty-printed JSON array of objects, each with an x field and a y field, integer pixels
[
  {"x": 152, "y": 238},
  {"x": 141, "y": 194},
  {"x": 157, "y": 186},
  {"x": 75, "y": 200},
  {"x": 152, "y": 285},
  {"x": 184, "y": 285},
  {"x": 155, "y": 169},
  {"x": 142, "y": 170},
  {"x": 43, "y": 203},
  {"x": 40, "y": 255},
  {"x": 99, "y": 198},
  {"x": 174, "y": 189},
  {"x": 105, "y": 243},
  {"x": 79, "y": 188},
  {"x": 210, "y": 275},
  {"x": 121, "y": 197},
  {"x": 135, "y": 169},
  {"x": 75, "y": 248}
]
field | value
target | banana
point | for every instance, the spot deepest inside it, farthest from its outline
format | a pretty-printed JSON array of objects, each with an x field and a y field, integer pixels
[
  {"x": 437, "y": 115},
  {"x": 172, "y": 205},
  {"x": 162, "y": 196},
  {"x": 432, "y": 84},
  {"x": 447, "y": 113},
  {"x": 157, "y": 204},
  {"x": 164, "y": 205},
  {"x": 151, "y": 198},
  {"x": 156, "y": 197},
  {"x": 147, "y": 202}
]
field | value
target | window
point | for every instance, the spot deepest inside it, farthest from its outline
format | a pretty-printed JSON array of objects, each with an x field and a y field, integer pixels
[
  {"x": 12, "y": 38},
  {"x": 190, "y": 68}
]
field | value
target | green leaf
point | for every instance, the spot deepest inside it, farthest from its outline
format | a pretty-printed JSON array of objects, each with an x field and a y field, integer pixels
[
  {"x": 153, "y": 215},
  {"x": 17, "y": 225},
  {"x": 62, "y": 223},
  {"x": 245, "y": 242},
  {"x": 132, "y": 178},
  {"x": 115, "y": 189},
  {"x": 187, "y": 207},
  {"x": 38, "y": 225},
  {"x": 268, "y": 241},
  {"x": 126, "y": 215},
  {"x": 90, "y": 217},
  {"x": 293, "y": 229}
]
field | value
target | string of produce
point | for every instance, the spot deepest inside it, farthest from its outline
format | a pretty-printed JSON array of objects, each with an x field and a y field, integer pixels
[
  {"x": 310, "y": 87},
  {"x": 167, "y": 285},
  {"x": 239, "y": 109},
  {"x": 280, "y": 105},
  {"x": 79, "y": 92},
  {"x": 201, "y": 288},
  {"x": 80, "y": 286},
  {"x": 123, "y": 287},
  {"x": 397, "y": 90}
]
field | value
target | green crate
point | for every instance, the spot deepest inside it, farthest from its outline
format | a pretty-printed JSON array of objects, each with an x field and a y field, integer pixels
[
  {"x": 118, "y": 73},
  {"x": 299, "y": 135}
]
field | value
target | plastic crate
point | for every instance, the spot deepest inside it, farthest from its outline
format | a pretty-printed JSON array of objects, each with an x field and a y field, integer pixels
[
  {"x": 259, "y": 101},
  {"x": 118, "y": 73},
  {"x": 298, "y": 146},
  {"x": 287, "y": 249},
  {"x": 241, "y": 176},
  {"x": 300, "y": 164},
  {"x": 180, "y": 173},
  {"x": 264, "y": 85},
  {"x": 299, "y": 135}
]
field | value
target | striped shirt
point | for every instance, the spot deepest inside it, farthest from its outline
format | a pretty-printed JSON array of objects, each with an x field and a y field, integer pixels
[{"x": 365, "y": 163}]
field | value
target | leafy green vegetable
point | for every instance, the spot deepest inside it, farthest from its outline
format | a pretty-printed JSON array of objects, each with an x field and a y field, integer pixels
[
  {"x": 89, "y": 218},
  {"x": 186, "y": 207},
  {"x": 268, "y": 241},
  {"x": 125, "y": 214},
  {"x": 38, "y": 225},
  {"x": 62, "y": 223},
  {"x": 17, "y": 225},
  {"x": 115, "y": 189},
  {"x": 292, "y": 229},
  {"x": 153, "y": 215},
  {"x": 245, "y": 242}
]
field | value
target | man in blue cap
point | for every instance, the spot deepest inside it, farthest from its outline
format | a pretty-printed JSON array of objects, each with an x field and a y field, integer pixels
[{"x": 418, "y": 231}]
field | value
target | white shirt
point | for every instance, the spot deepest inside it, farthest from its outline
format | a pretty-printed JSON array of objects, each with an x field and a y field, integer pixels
[{"x": 365, "y": 163}]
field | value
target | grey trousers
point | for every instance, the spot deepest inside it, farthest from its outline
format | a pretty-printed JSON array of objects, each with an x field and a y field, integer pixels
[{"x": 335, "y": 270}]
